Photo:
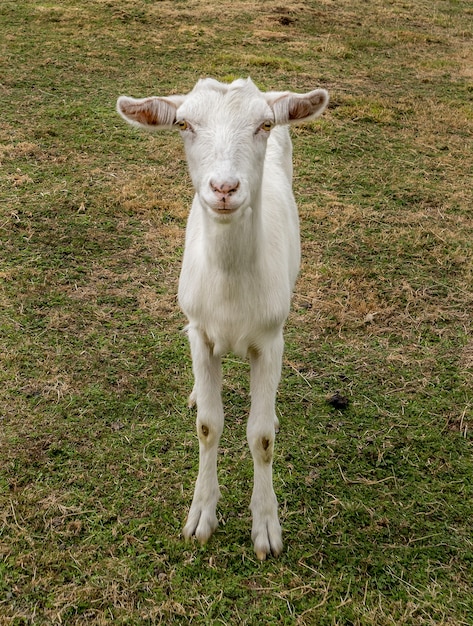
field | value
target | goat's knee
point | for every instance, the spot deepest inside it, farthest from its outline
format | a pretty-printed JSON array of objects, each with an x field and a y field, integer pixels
[
  {"x": 262, "y": 447},
  {"x": 208, "y": 432}
]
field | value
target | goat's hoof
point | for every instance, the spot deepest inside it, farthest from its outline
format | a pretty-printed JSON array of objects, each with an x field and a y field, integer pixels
[
  {"x": 268, "y": 550},
  {"x": 191, "y": 402},
  {"x": 267, "y": 539},
  {"x": 201, "y": 525}
]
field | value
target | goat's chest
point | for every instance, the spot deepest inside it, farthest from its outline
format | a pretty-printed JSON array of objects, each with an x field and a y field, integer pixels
[{"x": 234, "y": 309}]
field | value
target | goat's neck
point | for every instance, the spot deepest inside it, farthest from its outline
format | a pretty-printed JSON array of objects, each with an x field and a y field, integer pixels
[{"x": 234, "y": 246}]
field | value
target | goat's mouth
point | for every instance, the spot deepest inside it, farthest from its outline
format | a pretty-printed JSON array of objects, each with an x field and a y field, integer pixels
[
  {"x": 224, "y": 210},
  {"x": 224, "y": 206}
]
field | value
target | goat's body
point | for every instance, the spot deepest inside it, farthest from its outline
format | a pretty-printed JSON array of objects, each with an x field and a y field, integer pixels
[
  {"x": 237, "y": 276},
  {"x": 240, "y": 264}
]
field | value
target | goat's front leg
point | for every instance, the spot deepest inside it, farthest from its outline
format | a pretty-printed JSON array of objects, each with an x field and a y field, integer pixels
[
  {"x": 262, "y": 423},
  {"x": 202, "y": 518}
]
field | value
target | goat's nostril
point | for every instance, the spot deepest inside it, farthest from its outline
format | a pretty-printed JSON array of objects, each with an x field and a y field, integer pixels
[{"x": 226, "y": 188}]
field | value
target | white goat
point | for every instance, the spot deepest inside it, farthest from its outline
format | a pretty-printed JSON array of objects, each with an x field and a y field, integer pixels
[{"x": 240, "y": 263}]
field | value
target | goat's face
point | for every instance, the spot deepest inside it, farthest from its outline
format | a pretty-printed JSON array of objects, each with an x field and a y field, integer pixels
[
  {"x": 225, "y": 132},
  {"x": 225, "y": 129}
]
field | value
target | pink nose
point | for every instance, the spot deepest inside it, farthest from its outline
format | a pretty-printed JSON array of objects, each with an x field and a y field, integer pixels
[{"x": 224, "y": 189}]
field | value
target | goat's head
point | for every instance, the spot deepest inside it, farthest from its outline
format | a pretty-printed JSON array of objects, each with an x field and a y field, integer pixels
[{"x": 225, "y": 129}]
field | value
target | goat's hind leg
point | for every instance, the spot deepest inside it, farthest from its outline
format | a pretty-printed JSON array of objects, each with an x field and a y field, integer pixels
[
  {"x": 202, "y": 518},
  {"x": 262, "y": 423}
]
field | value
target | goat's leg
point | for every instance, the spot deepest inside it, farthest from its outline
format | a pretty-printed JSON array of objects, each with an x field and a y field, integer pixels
[
  {"x": 202, "y": 518},
  {"x": 262, "y": 423}
]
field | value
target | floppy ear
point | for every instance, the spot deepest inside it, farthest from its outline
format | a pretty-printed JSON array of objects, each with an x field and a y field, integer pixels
[
  {"x": 150, "y": 112},
  {"x": 294, "y": 108}
]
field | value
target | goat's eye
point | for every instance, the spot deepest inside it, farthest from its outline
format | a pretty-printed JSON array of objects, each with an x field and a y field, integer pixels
[
  {"x": 267, "y": 125},
  {"x": 182, "y": 124}
]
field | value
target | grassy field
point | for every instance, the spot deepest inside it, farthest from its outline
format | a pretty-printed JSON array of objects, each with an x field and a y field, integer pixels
[{"x": 98, "y": 455}]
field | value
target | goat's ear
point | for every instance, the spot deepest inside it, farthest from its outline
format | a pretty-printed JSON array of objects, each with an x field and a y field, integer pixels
[
  {"x": 294, "y": 108},
  {"x": 151, "y": 112}
]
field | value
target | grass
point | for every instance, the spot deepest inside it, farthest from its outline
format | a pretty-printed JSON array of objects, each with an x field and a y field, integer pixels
[{"x": 97, "y": 447}]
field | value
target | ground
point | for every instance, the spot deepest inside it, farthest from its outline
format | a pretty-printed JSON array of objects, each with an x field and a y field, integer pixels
[{"x": 97, "y": 445}]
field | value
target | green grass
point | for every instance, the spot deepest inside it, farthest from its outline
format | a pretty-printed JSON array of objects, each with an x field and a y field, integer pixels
[{"x": 98, "y": 455}]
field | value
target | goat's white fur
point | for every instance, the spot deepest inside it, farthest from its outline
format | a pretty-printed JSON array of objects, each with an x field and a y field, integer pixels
[{"x": 240, "y": 264}]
